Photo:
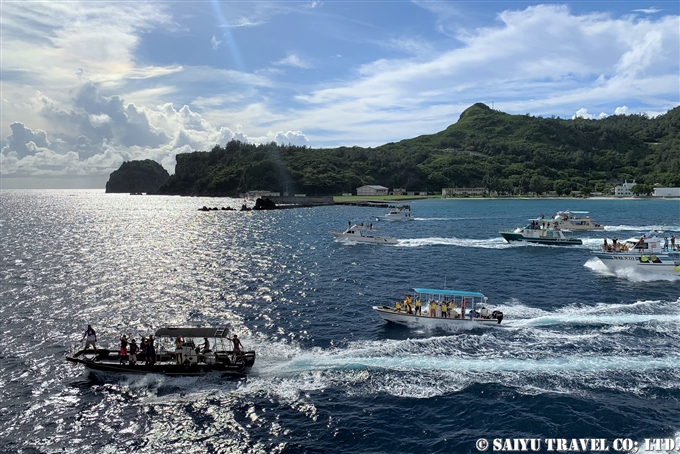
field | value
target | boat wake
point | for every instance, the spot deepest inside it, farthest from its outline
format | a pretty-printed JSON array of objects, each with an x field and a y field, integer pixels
[
  {"x": 573, "y": 350},
  {"x": 631, "y": 274},
  {"x": 490, "y": 243},
  {"x": 641, "y": 228}
]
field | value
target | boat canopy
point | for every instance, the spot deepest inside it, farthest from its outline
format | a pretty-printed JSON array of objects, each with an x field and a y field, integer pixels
[
  {"x": 432, "y": 291},
  {"x": 216, "y": 332}
]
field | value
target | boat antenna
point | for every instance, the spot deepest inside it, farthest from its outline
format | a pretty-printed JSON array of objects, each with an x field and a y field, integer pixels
[{"x": 444, "y": 282}]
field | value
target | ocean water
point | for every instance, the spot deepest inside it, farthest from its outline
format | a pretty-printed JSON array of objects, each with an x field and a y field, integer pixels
[{"x": 582, "y": 352}]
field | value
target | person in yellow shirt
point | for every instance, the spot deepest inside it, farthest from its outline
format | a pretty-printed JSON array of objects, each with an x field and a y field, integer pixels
[
  {"x": 444, "y": 314},
  {"x": 433, "y": 309},
  {"x": 408, "y": 307},
  {"x": 397, "y": 306},
  {"x": 452, "y": 309},
  {"x": 419, "y": 307}
]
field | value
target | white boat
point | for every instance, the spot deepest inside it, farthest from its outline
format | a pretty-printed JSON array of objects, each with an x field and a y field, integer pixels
[
  {"x": 649, "y": 252},
  {"x": 462, "y": 309},
  {"x": 361, "y": 233},
  {"x": 399, "y": 213},
  {"x": 541, "y": 231},
  {"x": 575, "y": 220}
]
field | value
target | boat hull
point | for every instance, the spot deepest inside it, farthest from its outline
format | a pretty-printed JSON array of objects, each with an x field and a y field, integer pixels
[
  {"x": 341, "y": 236},
  {"x": 652, "y": 263},
  {"x": 513, "y": 236},
  {"x": 109, "y": 361},
  {"x": 389, "y": 314}
]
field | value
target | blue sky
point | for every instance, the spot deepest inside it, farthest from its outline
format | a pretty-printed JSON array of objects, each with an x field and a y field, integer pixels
[{"x": 88, "y": 85}]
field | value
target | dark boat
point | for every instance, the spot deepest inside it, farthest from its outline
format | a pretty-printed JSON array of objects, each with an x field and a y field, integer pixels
[
  {"x": 542, "y": 232},
  {"x": 194, "y": 362}
]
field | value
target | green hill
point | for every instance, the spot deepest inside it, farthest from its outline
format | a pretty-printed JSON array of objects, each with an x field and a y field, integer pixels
[{"x": 502, "y": 152}]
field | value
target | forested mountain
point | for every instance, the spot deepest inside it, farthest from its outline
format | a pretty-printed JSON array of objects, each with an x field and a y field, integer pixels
[{"x": 502, "y": 152}]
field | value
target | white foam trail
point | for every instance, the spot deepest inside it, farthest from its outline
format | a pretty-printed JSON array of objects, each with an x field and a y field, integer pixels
[
  {"x": 641, "y": 228},
  {"x": 575, "y": 319},
  {"x": 631, "y": 274},
  {"x": 490, "y": 243},
  {"x": 439, "y": 219},
  {"x": 425, "y": 363}
]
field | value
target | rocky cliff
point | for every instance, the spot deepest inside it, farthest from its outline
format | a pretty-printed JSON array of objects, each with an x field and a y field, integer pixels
[{"x": 137, "y": 176}]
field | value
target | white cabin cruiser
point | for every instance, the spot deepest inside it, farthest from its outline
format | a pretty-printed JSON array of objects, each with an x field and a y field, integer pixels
[
  {"x": 575, "y": 220},
  {"x": 399, "y": 213},
  {"x": 441, "y": 308},
  {"x": 361, "y": 233},
  {"x": 649, "y": 252}
]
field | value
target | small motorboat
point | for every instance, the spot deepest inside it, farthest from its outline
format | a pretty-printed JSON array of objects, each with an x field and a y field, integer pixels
[
  {"x": 440, "y": 308},
  {"x": 363, "y": 233},
  {"x": 221, "y": 358},
  {"x": 399, "y": 213},
  {"x": 648, "y": 252}
]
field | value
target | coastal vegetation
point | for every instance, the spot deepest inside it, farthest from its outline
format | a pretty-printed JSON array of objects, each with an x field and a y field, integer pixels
[{"x": 506, "y": 154}]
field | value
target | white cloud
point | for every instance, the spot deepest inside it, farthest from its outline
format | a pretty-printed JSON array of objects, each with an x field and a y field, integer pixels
[
  {"x": 108, "y": 131},
  {"x": 76, "y": 77},
  {"x": 215, "y": 42},
  {"x": 99, "y": 119},
  {"x": 582, "y": 113},
  {"x": 623, "y": 110},
  {"x": 648, "y": 10},
  {"x": 294, "y": 60}
]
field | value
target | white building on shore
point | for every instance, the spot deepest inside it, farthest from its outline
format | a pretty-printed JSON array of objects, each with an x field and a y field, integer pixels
[
  {"x": 453, "y": 192},
  {"x": 623, "y": 190},
  {"x": 666, "y": 192},
  {"x": 372, "y": 189}
]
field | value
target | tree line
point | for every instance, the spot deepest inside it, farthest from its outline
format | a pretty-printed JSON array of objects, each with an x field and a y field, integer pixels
[{"x": 506, "y": 154}]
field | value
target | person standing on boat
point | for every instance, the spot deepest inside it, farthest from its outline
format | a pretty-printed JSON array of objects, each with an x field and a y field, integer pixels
[
  {"x": 433, "y": 308},
  {"x": 123, "y": 349},
  {"x": 443, "y": 307},
  {"x": 238, "y": 346},
  {"x": 397, "y": 306},
  {"x": 91, "y": 336},
  {"x": 673, "y": 242},
  {"x": 419, "y": 306},
  {"x": 178, "y": 349},
  {"x": 452, "y": 309},
  {"x": 150, "y": 351},
  {"x": 143, "y": 345},
  {"x": 133, "y": 352}
]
